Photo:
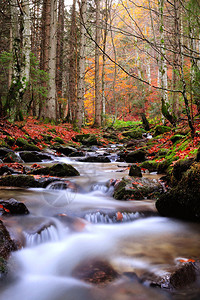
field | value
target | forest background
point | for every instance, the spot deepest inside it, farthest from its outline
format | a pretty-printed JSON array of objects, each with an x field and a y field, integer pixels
[{"x": 97, "y": 61}]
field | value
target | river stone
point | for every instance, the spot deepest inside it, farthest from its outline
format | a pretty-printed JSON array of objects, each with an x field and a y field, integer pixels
[
  {"x": 66, "y": 150},
  {"x": 19, "y": 181},
  {"x": 60, "y": 170},
  {"x": 11, "y": 157},
  {"x": 86, "y": 139},
  {"x": 137, "y": 189},
  {"x": 4, "y": 151},
  {"x": 135, "y": 156},
  {"x": 14, "y": 207},
  {"x": 30, "y": 156},
  {"x": 96, "y": 272},
  {"x": 182, "y": 201},
  {"x": 6, "y": 244},
  {"x": 5, "y": 170},
  {"x": 135, "y": 171}
]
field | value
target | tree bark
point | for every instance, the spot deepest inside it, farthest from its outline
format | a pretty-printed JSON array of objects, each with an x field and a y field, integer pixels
[
  {"x": 81, "y": 65},
  {"x": 97, "y": 121}
]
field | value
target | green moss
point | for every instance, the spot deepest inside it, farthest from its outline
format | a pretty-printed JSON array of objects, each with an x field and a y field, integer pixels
[
  {"x": 160, "y": 129},
  {"x": 58, "y": 140},
  {"x": 150, "y": 165},
  {"x": 53, "y": 130}
]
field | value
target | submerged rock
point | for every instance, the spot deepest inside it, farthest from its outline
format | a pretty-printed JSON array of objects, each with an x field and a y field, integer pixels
[
  {"x": 96, "y": 272},
  {"x": 182, "y": 201},
  {"x": 128, "y": 189},
  {"x": 59, "y": 170}
]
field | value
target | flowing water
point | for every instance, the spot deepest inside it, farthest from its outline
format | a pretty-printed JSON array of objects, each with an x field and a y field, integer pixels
[{"x": 78, "y": 222}]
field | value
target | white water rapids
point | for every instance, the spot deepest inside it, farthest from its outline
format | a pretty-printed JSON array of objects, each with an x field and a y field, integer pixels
[{"x": 82, "y": 226}]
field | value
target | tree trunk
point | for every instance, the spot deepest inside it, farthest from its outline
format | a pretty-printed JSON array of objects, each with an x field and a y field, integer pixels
[
  {"x": 81, "y": 65},
  {"x": 51, "y": 112},
  {"x": 97, "y": 121},
  {"x": 72, "y": 96}
]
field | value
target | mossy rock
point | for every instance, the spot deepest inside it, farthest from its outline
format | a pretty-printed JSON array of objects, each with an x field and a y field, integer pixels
[
  {"x": 162, "y": 152},
  {"x": 53, "y": 130},
  {"x": 4, "y": 151},
  {"x": 179, "y": 168},
  {"x": 3, "y": 144},
  {"x": 24, "y": 145},
  {"x": 135, "y": 171},
  {"x": 135, "y": 156},
  {"x": 47, "y": 137},
  {"x": 59, "y": 170},
  {"x": 58, "y": 140},
  {"x": 160, "y": 129},
  {"x": 150, "y": 165},
  {"x": 86, "y": 139},
  {"x": 133, "y": 134},
  {"x": 66, "y": 150},
  {"x": 128, "y": 189},
  {"x": 163, "y": 166},
  {"x": 12, "y": 157},
  {"x": 19, "y": 181},
  {"x": 182, "y": 201},
  {"x": 10, "y": 141},
  {"x": 175, "y": 138},
  {"x": 29, "y": 156}
]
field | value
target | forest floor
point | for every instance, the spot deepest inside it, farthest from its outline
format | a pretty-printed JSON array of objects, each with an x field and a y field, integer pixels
[{"x": 177, "y": 140}]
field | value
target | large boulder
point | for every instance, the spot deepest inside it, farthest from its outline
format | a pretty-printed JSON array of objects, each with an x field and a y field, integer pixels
[
  {"x": 137, "y": 189},
  {"x": 135, "y": 156},
  {"x": 19, "y": 181},
  {"x": 59, "y": 170},
  {"x": 30, "y": 156},
  {"x": 182, "y": 201},
  {"x": 24, "y": 145}
]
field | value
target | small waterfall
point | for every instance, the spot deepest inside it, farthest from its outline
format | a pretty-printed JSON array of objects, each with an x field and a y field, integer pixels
[
  {"x": 48, "y": 234},
  {"x": 118, "y": 217}
]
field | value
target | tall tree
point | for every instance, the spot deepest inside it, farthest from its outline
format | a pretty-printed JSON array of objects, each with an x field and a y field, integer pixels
[
  {"x": 81, "y": 63},
  {"x": 97, "y": 121}
]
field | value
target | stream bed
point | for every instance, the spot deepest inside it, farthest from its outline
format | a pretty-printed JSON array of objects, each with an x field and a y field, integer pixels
[{"x": 70, "y": 229}]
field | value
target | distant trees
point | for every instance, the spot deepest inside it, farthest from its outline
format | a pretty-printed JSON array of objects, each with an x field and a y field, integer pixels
[{"x": 100, "y": 58}]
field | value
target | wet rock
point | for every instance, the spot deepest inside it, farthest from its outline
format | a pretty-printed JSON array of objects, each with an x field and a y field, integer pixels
[
  {"x": 96, "y": 272},
  {"x": 135, "y": 171},
  {"x": 135, "y": 156},
  {"x": 30, "y": 156},
  {"x": 163, "y": 166},
  {"x": 7, "y": 245},
  {"x": 128, "y": 189},
  {"x": 178, "y": 277},
  {"x": 77, "y": 154},
  {"x": 60, "y": 170},
  {"x": 183, "y": 276},
  {"x": 4, "y": 151},
  {"x": 96, "y": 159},
  {"x": 5, "y": 170},
  {"x": 13, "y": 207},
  {"x": 19, "y": 181},
  {"x": 66, "y": 150},
  {"x": 182, "y": 201},
  {"x": 12, "y": 157}
]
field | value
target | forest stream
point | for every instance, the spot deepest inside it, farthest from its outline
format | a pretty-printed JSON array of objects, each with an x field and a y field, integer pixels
[{"x": 70, "y": 232}]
